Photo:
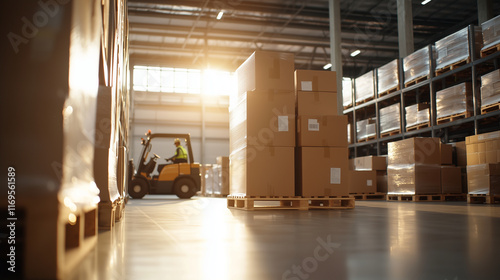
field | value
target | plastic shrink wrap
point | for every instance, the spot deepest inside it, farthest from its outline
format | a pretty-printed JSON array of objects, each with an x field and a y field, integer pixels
[
  {"x": 417, "y": 114},
  {"x": 366, "y": 128},
  {"x": 454, "y": 100},
  {"x": 388, "y": 76},
  {"x": 490, "y": 88},
  {"x": 491, "y": 32},
  {"x": 364, "y": 87},
  {"x": 390, "y": 118}
]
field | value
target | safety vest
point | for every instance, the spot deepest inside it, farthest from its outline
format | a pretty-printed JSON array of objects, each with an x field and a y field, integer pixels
[{"x": 182, "y": 153}]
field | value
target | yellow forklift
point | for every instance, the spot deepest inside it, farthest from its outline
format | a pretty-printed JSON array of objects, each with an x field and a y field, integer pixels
[{"x": 181, "y": 179}]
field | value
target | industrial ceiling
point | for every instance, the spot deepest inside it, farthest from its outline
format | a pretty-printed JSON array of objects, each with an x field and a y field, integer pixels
[{"x": 187, "y": 33}]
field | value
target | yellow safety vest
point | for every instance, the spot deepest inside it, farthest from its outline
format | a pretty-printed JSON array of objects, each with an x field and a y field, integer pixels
[{"x": 182, "y": 154}]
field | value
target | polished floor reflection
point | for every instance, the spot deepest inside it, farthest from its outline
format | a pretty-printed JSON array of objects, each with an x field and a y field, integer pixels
[{"x": 162, "y": 237}]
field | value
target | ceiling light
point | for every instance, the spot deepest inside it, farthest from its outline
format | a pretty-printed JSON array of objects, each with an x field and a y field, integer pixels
[
  {"x": 219, "y": 16},
  {"x": 355, "y": 53},
  {"x": 426, "y": 1},
  {"x": 327, "y": 66}
]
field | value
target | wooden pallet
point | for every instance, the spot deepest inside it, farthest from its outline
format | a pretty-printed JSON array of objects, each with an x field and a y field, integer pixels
[
  {"x": 490, "y": 108},
  {"x": 452, "y": 66},
  {"x": 369, "y": 138},
  {"x": 483, "y": 198},
  {"x": 394, "y": 89},
  {"x": 369, "y": 196},
  {"x": 490, "y": 50},
  {"x": 364, "y": 101},
  {"x": 455, "y": 117},
  {"x": 418, "y": 126},
  {"x": 390, "y": 133},
  {"x": 288, "y": 203},
  {"x": 426, "y": 197},
  {"x": 331, "y": 202},
  {"x": 347, "y": 107},
  {"x": 416, "y": 81}
]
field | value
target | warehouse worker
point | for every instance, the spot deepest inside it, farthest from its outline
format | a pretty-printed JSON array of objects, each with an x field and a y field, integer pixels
[{"x": 180, "y": 153}]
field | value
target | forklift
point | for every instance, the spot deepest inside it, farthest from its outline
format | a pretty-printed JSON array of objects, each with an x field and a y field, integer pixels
[{"x": 181, "y": 179}]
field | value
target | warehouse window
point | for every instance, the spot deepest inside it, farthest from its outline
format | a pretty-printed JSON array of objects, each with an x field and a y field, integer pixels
[{"x": 181, "y": 80}]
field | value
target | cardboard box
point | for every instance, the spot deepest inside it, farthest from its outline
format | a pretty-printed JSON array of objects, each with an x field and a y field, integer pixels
[
  {"x": 224, "y": 181},
  {"x": 483, "y": 179},
  {"x": 266, "y": 70},
  {"x": 322, "y": 171},
  {"x": 263, "y": 118},
  {"x": 451, "y": 179},
  {"x": 382, "y": 181},
  {"x": 262, "y": 171},
  {"x": 315, "y": 80},
  {"x": 460, "y": 149},
  {"x": 363, "y": 182},
  {"x": 322, "y": 131},
  {"x": 316, "y": 103},
  {"x": 370, "y": 163},
  {"x": 414, "y": 179},
  {"x": 418, "y": 150},
  {"x": 446, "y": 154}
]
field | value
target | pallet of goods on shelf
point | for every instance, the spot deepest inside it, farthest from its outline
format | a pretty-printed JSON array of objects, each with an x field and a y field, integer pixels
[
  {"x": 417, "y": 116},
  {"x": 416, "y": 66},
  {"x": 490, "y": 92},
  {"x": 491, "y": 36},
  {"x": 390, "y": 121},
  {"x": 388, "y": 78},
  {"x": 453, "y": 51},
  {"x": 364, "y": 88},
  {"x": 454, "y": 103},
  {"x": 366, "y": 130},
  {"x": 347, "y": 92}
]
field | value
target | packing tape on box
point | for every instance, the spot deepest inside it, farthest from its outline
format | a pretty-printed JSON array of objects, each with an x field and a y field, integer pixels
[
  {"x": 316, "y": 96},
  {"x": 315, "y": 83}
]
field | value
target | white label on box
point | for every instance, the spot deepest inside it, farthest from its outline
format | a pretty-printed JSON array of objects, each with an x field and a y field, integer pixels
[
  {"x": 312, "y": 125},
  {"x": 335, "y": 176},
  {"x": 282, "y": 123},
  {"x": 306, "y": 85},
  {"x": 369, "y": 183}
]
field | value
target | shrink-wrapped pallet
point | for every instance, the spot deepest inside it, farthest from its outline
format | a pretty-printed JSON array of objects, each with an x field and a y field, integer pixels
[
  {"x": 414, "y": 166},
  {"x": 417, "y": 64},
  {"x": 417, "y": 114},
  {"x": 455, "y": 47},
  {"x": 347, "y": 92},
  {"x": 388, "y": 76},
  {"x": 366, "y": 128},
  {"x": 491, "y": 32},
  {"x": 490, "y": 88},
  {"x": 390, "y": 119},
  {"x": 454, "y": 100},
  {"x": 364, "y": 89}
]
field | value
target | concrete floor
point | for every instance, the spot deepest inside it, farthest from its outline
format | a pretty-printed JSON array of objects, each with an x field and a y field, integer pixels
[{"x": 162, "y": 237}]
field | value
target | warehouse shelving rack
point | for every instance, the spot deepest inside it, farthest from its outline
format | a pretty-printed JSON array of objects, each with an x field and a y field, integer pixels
[{"x": 425, "y": 91}]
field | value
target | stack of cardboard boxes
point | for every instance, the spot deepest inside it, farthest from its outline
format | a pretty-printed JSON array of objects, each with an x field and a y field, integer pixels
[
  {"x": 422, "y": 166},
  {"x": 483, "y": 158},
  {"x": 322, "y": 161},
  {"x": 222, "y": 187},
  {"x": 262, "y": 126},
  {"x": 368, "y": 175}
]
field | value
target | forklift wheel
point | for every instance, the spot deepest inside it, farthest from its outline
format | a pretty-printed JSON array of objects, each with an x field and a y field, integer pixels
[
  {"x": 138, "y": 189},
  {"x": 184, "y": 188}
]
